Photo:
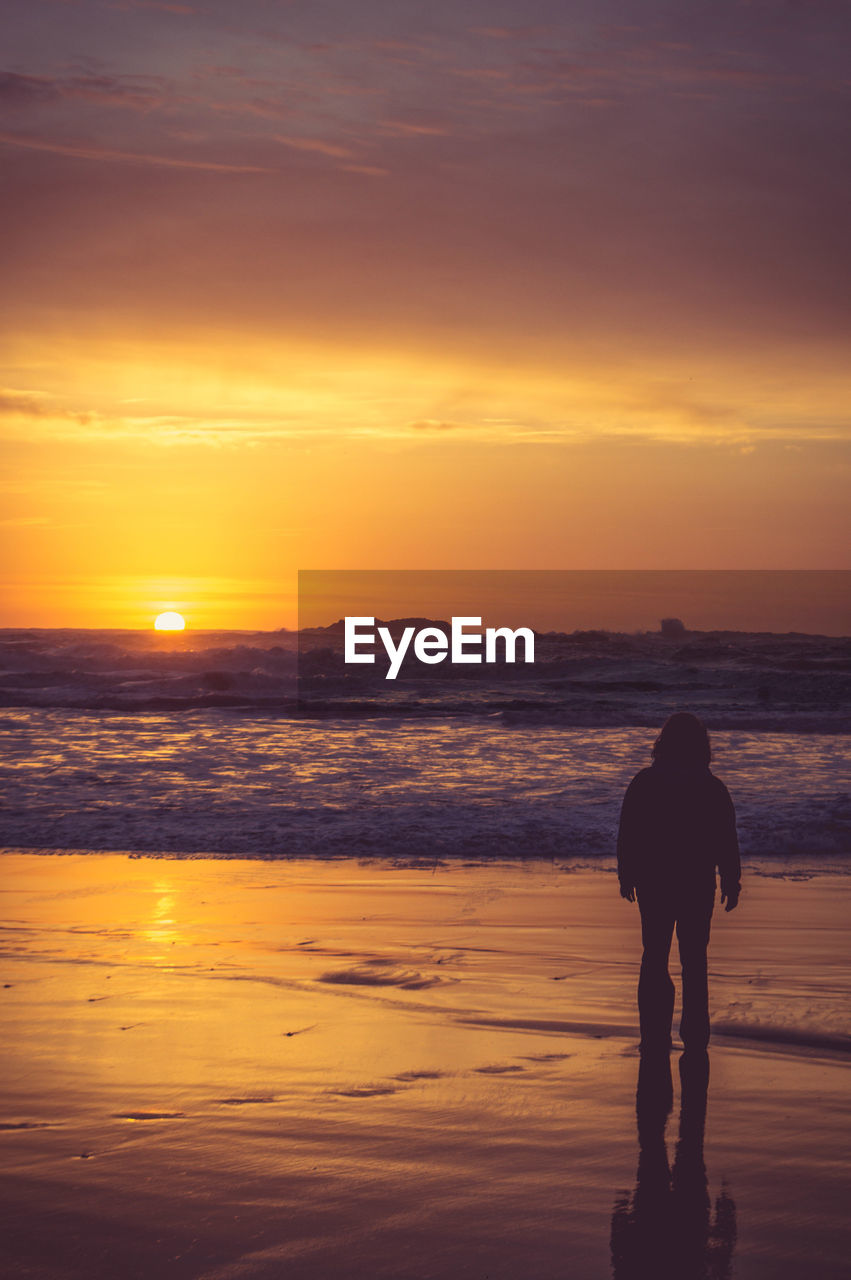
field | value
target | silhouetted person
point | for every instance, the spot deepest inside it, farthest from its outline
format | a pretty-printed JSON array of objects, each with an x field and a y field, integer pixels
[
  {"x": 677, "y": 826},
  {"x": 666, "y": 1231}
]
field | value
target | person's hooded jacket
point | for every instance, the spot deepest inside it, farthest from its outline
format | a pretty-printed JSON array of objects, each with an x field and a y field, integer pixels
[{"x": 677, "y": 826}]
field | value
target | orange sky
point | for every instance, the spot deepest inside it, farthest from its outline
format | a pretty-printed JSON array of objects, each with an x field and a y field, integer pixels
[{"x": 487, "y": 285}]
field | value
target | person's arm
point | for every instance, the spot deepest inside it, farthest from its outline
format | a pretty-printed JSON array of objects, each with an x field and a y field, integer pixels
[
  {"x": 628, "y": 839},
  {"x": 729, "y": 862}
]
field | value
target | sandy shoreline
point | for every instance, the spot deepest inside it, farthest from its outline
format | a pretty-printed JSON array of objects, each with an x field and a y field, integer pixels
[{"x": 234, "y": 1069}]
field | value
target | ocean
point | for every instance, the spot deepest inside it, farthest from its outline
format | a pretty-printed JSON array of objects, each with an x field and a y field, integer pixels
[{"x": 238, "y": 744}]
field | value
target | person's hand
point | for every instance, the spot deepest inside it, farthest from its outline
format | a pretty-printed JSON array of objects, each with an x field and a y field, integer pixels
[
  {"x": 730, "y": 897},
  {"x": 628, "y": 892}
]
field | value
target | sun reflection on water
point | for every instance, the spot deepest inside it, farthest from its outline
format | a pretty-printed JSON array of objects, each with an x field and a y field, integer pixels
[{"x": 163, "y": 931}]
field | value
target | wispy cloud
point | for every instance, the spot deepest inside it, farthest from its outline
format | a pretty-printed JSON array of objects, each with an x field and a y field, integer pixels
[
  {"x": 39, "y": 406},
  {"x": 24, "y": 522},
  {"x": 92, "y": 151},
  {"x": 28, "y": 403},
  {"x": 413, "y": 129},
  {"x": 333, "y": 149},
  {"x": 157, "y": 6},
  {"x": 432, "y": 424},
  {"x": 138, "y": 93},
  {"x": 18, "y": 91}
]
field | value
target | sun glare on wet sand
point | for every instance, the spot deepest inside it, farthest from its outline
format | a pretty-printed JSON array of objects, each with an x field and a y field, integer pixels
[{"x": 170, "y": 621}]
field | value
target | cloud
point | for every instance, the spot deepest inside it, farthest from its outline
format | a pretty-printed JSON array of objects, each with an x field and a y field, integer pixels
[
  {"x": 139, "y": 93},
  {"x": 432, "y": 424},
  {"x": 25, "y": 91},
  {"x": 484, "y": 73},
  {"x": 514, "y": 33},
  {"x": 91, "y": 151},
  {"x": 27, "y": 403},
  {"x": 160, "y": 6},
  {"x": 371, "y": 170},
  {"x": 408, "y": 128},
  {"x": 319, "y": 145},
  {"x": 38, "y": 405}
]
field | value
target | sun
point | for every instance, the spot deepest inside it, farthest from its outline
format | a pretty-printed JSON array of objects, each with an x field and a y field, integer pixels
[{"x": 170, "y": 621}]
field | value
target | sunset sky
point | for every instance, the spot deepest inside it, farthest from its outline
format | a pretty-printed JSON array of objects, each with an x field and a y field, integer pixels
[{"x": 482, "y": 284}]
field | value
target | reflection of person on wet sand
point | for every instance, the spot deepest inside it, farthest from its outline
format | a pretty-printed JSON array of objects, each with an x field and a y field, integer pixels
[
  {"x": 677, "y": 826},
  {"x": 667, "y": 1231}
]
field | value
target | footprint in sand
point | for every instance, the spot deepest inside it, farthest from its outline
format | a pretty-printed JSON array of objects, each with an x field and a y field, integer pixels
[
  {"x": 366, "y": 1091},
  {"x": 253, "y": 1100},
  {"x": 149, "y": 1115},
  {"x": 545, "y": 1057},
  {"x": 368, "y": 975},
  {"x": 501, "y": 1069},
  {"x": 407, "y": 1076}
]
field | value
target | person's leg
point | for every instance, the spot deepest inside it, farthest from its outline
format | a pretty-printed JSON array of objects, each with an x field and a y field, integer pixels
[
  {"x": 693, "y": 924},
  {"x": 655, "y": 988}
]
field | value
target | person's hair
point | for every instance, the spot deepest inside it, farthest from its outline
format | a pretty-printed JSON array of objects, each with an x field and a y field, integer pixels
[{"x": 683, "y": 740}]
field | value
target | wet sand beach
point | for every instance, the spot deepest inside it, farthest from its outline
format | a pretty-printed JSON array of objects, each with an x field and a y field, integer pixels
[{"x": 245, "y": 1069}]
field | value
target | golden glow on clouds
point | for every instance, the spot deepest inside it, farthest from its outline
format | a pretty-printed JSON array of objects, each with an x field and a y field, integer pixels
[
  {"x": 127, "y": 531},
  {"x": 545, "y": 294},
  {"x": 198, "y": 474},
  {"x": 244, "y": 388}
]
